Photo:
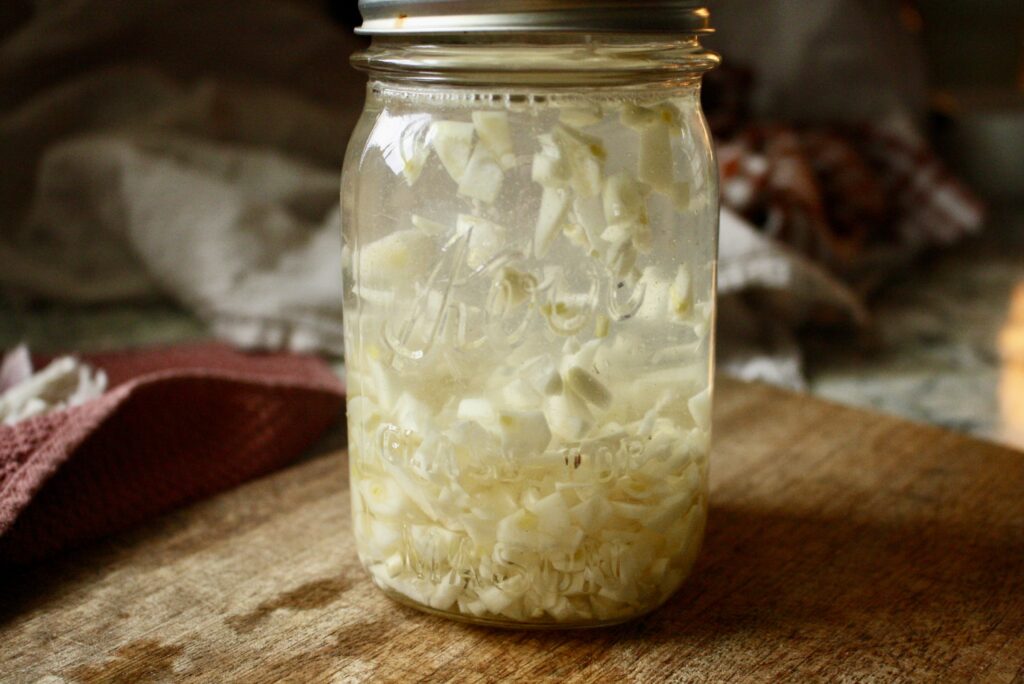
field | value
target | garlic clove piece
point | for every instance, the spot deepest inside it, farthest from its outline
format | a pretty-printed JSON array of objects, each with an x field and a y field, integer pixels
[
  {"x": 453, "y": 143},
  {"x": 493, "y": 130}
]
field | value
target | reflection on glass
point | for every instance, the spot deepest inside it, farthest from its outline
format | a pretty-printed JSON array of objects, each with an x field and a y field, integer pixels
[{"x": 1011, "y": 382}]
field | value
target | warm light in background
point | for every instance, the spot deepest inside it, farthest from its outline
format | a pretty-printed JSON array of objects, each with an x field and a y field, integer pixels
[{"x": 1011, "y": 382}]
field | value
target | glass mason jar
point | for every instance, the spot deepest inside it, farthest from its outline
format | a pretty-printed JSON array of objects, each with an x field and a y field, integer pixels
[{"x": 530, "y": 212}]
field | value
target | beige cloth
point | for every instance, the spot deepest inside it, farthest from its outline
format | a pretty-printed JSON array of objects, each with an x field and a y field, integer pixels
[{"x": 184, "y": 148}]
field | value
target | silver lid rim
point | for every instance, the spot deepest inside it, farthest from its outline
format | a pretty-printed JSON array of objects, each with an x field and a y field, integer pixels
[{"x": 665, "y": 18}]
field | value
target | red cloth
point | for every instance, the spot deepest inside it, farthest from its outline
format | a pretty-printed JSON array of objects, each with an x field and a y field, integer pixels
[{"x": 176, "y": 424}]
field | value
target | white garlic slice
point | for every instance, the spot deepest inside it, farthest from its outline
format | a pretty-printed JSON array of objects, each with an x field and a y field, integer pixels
[
  {"x": 585, "y": 156},
  {"x": 568, "y": 314},
  {"x": 478, "y": 409},
  {"x": 413, "y": 414},
  {"x": 621, "y": 258},
  {"x": 637, "y": 117},
  {"x": 453, "y": 143},
  {"x": 581, "y": 117},
  {"x": 656, "y": 299},
  {"x": 483, "y": 177},
  {"x": 550, "y": 167},
  {"x": 493, "y": 130},
  {"x": 486, "y": 238},
  {"x": 700, "y": 409},
  {"x": 513, "y": 287},
  {"x": 577, "y": 236},
  {"x": 542, "y": 375},
  {"x": 589, "y": 215},
  {"x": 680, "y": 194},
  {"x": 445, "y": 594},
  {"x": 654, "y": 162},
  {"x": 382, "y": 497},
  {"x": 680, "y": 294},
  {"x": 407, "y": 149},
  {"x": 400, "y": 256},
  {"x": 568, "y": 416},
  {"x": 622, "y": 199},
  {"x": 428, "y": 226},
  {"x": 617, "y": 233},
  {"x": 554, "y": 204},
  {"x": 523, "y": 433}
]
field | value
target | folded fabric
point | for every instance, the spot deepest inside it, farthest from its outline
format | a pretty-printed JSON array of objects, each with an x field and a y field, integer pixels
[
  {"x": 177, "y": 424},
  {"x": 200, "y": 161},
  {"x": 859, "y": 200}
]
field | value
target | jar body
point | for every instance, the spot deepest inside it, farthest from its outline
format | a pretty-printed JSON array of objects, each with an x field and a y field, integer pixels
[{"x": 529, "y": 320}]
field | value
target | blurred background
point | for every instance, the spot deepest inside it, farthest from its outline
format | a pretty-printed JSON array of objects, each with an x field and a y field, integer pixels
[{"x": 170, "y": 172}]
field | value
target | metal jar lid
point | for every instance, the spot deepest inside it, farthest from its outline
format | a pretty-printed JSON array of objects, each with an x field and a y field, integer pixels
[{"x": 441, "y": 17}]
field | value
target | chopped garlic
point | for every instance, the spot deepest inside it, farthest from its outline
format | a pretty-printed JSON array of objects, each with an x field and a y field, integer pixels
[
  {"x": 680, "y": 195},
  {"x": 654, "y": 163},
  {"x": 618, "y": 232},
  {"x": 588, "y": 213},
  {"x": 550, "y": 167},
  {"x": 700, "y": 409},
  {"x": 394, "y": 258},
  {"x": 523, "y": 433},
  {"x": 554, "y": 521},
  {"x": 580, "y": 117},
  {"x": 671, "y": 117},
  {"x": 637, "y": 117},
  {"x": 485, "y": 238},
  {"x": 453, "y": 143},
  {"x": 585, "y": 156},
  {"x": 431, "y": 228},
  {"x": 63, "y": 383},
  {"x": 412, "y": 166},
  {"x": 381, "y": 496},
  {"x": 518, "y": 395},
  {"x": 497, "y": 472},
  {"x": 568, "y": 416},
  {"x": 543, "y": 376},
  {"x": 554, "y": 204},
  {"x": 550, "y": 172},
  {"x": 592, "y": 513},
  {"x": 493, "y": 131},
  {"x": 445, "y": 594},
  {"x": 577, "y": 236},
  {"x": 656, "y": 299},
  {"x": 588, "y": 387},
  {"x": 622, "y": 200},
  {"x": 478, "y": 409},
  {"x": 643, "y": 237},
  {"x": 681, "y": 298},
  {"x": 483, "y": 177},
  {"x": 413, "y": 414},
  {"x": 513, "y": 287},
  {"x": 567, "y": 315},
  {"x": 621, "y": 258},
  {"x": 411, "y": 154}
]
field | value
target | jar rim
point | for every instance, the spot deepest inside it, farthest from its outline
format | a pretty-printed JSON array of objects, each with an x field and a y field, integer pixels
[
  {"x": 447, "y": 17},
  {"x": 547, "y": 60}
]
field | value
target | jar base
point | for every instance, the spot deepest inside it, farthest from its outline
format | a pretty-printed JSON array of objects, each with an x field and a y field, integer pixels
[{"x": 545, "y": 626}]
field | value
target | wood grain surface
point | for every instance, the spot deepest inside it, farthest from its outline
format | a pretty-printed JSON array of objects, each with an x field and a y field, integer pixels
[{"x": 842, "y": 546}]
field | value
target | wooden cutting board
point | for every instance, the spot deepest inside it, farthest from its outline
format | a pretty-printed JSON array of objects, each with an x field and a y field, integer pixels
[{"x": 841, "y": 545}]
